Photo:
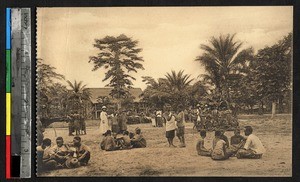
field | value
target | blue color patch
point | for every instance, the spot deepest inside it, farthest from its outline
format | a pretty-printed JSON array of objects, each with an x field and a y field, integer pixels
[{"x": 8, "y": 28}]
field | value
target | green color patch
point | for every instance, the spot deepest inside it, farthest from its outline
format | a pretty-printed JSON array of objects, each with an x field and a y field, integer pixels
[{"x": 8, "y": 71}]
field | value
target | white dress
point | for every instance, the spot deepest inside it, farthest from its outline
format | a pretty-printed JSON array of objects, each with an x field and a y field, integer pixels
[{"x": 103, "y": 122}]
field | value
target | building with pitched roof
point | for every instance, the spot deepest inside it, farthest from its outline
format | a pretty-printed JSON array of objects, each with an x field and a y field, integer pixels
[{"x": 101, "y": 96}]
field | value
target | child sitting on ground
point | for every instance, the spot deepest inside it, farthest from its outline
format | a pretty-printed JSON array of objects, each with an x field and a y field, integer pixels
[
  {"x": 138, "y": 141},
  {"x": 124, "y": 141},
  {"x": 219, "y": 147},
  {"x": 108, "y": 142},
  {"x": 200, "y": 145}
]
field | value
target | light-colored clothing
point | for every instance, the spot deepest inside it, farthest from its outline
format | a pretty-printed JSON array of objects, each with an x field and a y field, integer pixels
[
  {"x": 218, "y": 152},
  {"x": 153, "y": 122},
  {"x": 158, "y": 114},
  {"x": 103, "y": 122},
  {"x": 254, "y": 143},
  {"x": 171, "y": 124},
  {"x": 198, "y": 115}
]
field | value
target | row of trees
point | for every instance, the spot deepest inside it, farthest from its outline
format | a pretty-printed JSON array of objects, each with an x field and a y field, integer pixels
[
  {"x": 239, "y": 76},
  {"x": 55, "y": 100}
]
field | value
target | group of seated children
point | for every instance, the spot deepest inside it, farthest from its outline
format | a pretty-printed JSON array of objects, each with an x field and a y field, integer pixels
[
  {"x": 124, "y": 140},
  {"x": 62, "y": 155},
  {"x": 242, "y": 147}
]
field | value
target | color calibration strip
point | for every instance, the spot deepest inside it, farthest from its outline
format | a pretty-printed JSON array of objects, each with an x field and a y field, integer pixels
[{"x": 8, "y": 93}]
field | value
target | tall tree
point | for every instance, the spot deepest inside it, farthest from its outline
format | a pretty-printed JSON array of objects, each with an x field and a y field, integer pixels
[
  {"x": 119, "y": 56},
  {"x": 46, "y": 74},
  {"x": 223, "y": 61},
  {"x": 273, "y": 71},
  {"x": 47, "y": 78}
]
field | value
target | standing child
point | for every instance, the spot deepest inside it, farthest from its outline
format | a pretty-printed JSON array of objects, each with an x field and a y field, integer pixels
[
  {"x": 181, "y": 125},
  {"x": 170, "y": 125},
  {"x": 115, "y": 125}
]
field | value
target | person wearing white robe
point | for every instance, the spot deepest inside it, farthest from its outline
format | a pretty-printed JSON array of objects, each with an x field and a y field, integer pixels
[{"x": 103, "y": 121}]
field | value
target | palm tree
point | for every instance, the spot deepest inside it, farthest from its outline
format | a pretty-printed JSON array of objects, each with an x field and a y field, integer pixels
[
  {"x": 78, "y": 95},
  {"x": 223, "y": 61},
  {"x": 178, "y": 81},
  {"x": 171, "y": 89}
]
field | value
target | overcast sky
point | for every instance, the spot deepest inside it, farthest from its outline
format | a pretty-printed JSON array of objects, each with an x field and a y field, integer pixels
[{"x": 169, "y": 36}]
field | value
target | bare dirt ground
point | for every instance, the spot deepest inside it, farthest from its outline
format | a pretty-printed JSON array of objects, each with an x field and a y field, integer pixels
[{"x": 160, "y": 160}]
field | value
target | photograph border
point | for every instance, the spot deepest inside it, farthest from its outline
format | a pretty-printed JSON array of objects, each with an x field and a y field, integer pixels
[{"x": 123, "y": 3}]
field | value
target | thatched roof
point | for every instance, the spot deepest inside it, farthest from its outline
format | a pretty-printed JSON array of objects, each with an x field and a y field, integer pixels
[{"x": 104, "y": 92}]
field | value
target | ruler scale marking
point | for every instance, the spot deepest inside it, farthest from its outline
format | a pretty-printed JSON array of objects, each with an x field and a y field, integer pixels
[{"x": 26, "y": 93}]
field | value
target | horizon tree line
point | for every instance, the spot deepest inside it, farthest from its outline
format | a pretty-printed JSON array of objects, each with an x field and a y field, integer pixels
[{"x": 239, "y": 76}]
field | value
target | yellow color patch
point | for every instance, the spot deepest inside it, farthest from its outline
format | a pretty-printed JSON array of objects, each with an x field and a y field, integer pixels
[{"x": 8, "y": 113}]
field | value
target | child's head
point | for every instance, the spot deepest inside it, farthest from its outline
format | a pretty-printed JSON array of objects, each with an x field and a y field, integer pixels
[
  {"x": 46, "y": 142},
  {"x": 137, "y": 130},
  {"x": 248, "y": 130},
  {"x": 203, "y": 133},
  {"x": 108, "y": 133},
  {"x": 218, "y": 133},
  {"x": 59, "y": 141},
  {"x": 222, "y": 130}
]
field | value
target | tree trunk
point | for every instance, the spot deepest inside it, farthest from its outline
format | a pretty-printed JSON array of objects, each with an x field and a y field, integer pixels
[
  {"x": 273, "y": 109},
  {"x": 261, "y": 108},
  {"x": 280, "y": 105},
  {"x": 119, "y": 104}
]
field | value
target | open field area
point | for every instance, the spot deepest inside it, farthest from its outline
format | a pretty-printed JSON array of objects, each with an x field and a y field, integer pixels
[{"x": 157, "y": 159}]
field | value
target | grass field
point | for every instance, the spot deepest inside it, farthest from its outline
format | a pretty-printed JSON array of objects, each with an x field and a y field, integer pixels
[{"x": 160, "y": 160}]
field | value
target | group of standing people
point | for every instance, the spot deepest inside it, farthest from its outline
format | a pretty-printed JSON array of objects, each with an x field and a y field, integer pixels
[
  {"x": 116, "y": 122},
  {"x": 248, "y": 146},
  {"x": 76, "y": 123},
  {"x": 175, "y": 123}
]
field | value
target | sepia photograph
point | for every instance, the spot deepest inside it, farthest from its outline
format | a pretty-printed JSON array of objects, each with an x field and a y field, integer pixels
[{"x": 164, "y": 91}]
